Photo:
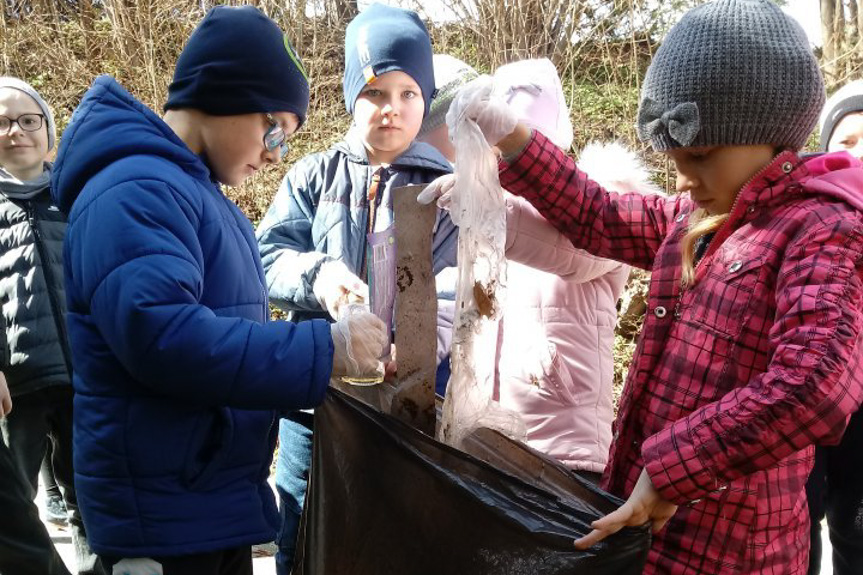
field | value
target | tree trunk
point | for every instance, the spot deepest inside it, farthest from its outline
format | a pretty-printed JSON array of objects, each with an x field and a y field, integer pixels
[
  {"x": 859, "y": 21},
  {"x": 340, "y": 12},
  {"x": 853, "y": 38},
  {"x": 828, "y": 39}
]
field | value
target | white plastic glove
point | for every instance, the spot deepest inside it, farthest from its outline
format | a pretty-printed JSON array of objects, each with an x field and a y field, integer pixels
[
  {"x": 138, "y": 566},
  {"x": 439, "y": 189},
  {"x": 477, "y": 102},
  {"x": 335, "y": 285},
  {"x": 360, "y": 339}
]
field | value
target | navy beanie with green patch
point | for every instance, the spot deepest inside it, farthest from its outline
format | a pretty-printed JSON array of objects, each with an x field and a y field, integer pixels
[
  {"x": 238, "y": 61},
  {"x": 385, "y": 39}
]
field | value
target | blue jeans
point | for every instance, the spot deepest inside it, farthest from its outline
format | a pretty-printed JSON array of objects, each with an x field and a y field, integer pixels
[{"x": 292, "y": 476}]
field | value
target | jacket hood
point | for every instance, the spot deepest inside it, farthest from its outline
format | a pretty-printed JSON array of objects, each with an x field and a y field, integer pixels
[
  {"x": 418, "y": 154},
  {"x": 838, "y": 175},
  {"x": 616, "y": 168},
  {"x": 12, "y": 187},
  {"x": 110, "y": 125}
]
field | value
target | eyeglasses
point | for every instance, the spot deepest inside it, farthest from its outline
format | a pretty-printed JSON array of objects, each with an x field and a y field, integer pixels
[
  {"x": 27, "y": 123},
  {"x": 275, "y": 138}
]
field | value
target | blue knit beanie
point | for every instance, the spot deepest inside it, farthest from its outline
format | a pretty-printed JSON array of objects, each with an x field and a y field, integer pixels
[
  {"x": 238, "y": 61},
  {"x": 384, "y": 39}
]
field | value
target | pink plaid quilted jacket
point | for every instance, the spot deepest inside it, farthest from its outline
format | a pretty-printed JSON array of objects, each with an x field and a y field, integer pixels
[{"x": 736, "y": 378}]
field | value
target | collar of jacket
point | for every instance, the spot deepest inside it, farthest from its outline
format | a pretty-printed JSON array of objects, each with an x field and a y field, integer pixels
[
  {"x": 789, "y": 174},
  {"x": 418, "y": 155},
  {"x": 12, "y": 187},
  {"x": 838, "y": 176}
]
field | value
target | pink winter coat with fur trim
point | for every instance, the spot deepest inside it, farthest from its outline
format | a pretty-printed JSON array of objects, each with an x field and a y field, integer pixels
[
  {"x": 555, "y": 346},
  {"x": 736, "y": 378},
  {"x": 555, "y": 363}
]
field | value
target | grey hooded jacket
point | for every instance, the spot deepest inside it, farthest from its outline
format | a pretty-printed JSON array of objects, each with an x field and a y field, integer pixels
[
  {"x": 321, "y": 212},
  {"x": 31, "y": 285}
]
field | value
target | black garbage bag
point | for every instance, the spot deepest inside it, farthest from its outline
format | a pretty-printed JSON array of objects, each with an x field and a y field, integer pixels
[{"x": 386, "y": 499}]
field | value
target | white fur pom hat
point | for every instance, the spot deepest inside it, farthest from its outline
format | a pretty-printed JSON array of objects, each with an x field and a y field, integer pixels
[{"x": 533, "y": 91}]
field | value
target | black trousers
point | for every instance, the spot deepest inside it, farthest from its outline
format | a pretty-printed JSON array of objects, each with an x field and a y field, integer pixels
[
  {"x": 36, "y": 419},
  {"x": 236, "y": 561},
  {"x": 25, "y": 547},
  {"x": 835, "y": 490}
]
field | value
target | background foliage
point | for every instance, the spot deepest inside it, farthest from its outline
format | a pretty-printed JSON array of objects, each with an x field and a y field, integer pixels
[{"x": 600, "y": 47}]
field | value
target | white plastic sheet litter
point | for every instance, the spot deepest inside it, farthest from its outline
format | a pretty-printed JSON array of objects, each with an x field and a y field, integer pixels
[{"x": 477, "y": 207}]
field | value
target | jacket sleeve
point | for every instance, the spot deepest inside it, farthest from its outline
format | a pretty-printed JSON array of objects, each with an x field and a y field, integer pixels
[
  {"x": 284, "y": 238},
  {"x": 628, "y": 228},
  {"x": 144, "y": 290},
  {"x": 532, "y": 241},
  {"x": 444, "y": 264},
  {"x": 813, "y": 383}
]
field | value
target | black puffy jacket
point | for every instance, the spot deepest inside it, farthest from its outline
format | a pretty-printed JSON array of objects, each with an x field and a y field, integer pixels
[{"x": 31, "y": 286}]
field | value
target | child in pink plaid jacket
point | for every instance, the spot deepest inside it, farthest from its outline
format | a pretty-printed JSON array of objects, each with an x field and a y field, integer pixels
[{"x": 751, "y": 349}]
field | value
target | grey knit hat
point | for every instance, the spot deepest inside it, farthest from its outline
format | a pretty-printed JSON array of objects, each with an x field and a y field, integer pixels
[
  {"x": 847, "y": 100},
  {"x": 731, "y": 72},
  {"x": 450, "y": 74},
  {"x": 22, "y": 86}
]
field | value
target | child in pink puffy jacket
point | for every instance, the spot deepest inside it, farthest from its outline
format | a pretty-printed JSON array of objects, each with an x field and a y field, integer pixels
[
  {"x": 555, "y": 364},
  {"x": 554, "y": 354}
]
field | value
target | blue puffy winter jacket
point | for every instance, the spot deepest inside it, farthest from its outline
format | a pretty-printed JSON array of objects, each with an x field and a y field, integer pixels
[{"x": 178, "y": 373}]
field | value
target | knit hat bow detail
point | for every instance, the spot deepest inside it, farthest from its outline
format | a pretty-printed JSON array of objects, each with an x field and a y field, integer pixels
[{"x": 682, "y": 122}]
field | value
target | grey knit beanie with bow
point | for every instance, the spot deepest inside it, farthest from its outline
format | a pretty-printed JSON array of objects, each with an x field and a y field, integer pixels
[{"x": 731, "y": 72}]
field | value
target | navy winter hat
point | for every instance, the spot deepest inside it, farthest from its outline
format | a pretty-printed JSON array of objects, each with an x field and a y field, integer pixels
[
  {"x": 238, "y": 61},
  {"x": 384, "y": 39}
]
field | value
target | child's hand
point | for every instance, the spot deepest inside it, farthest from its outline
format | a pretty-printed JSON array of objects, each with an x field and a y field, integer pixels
[
  {"x": 440, "y": 190},
  {"x": 477, "y": 102},
  {"x": 335, "y": 285},
  {"x": 5, "y": 397},
  {"x": 359, "y": 340},
  {"x": 645, "y": 505}
]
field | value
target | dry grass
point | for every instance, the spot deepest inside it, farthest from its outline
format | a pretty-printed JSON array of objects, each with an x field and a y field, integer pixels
[{"x": 60, "y": 46}]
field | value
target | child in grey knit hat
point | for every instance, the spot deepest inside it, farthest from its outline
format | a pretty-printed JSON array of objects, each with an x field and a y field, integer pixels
[
  {"x": 750, "y": 351},
  {"x": 842, "y": 120},
  {"x": 450, "y": 74}
]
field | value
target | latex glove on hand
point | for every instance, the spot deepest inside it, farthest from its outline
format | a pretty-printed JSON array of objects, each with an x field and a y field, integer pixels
[
  {"x": 336, "y": 285},
  {"x": 478, "y": 102},
  {"x": 439, "y": 189},
  {"x": 359, "y": 339},
  {"x": 391, "y": 367}
]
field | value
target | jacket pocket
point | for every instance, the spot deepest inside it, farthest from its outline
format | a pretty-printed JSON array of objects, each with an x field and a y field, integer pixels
[
  {"x": 209, "y": 447},
  {"x": 725, "y": 297},
  {"x": 541, "y": 367}
]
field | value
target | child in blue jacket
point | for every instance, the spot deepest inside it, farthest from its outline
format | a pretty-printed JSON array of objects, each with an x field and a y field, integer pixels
[
  {"x": 313, "y": 239},
  {"x": 179, "y": 376}
]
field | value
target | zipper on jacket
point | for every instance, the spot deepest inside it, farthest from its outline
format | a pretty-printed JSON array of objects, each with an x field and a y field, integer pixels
[
  {"x": 374, "y": 193},
  {"x": 49, "y": 281},
  {"x": 721, "y": 232}
]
